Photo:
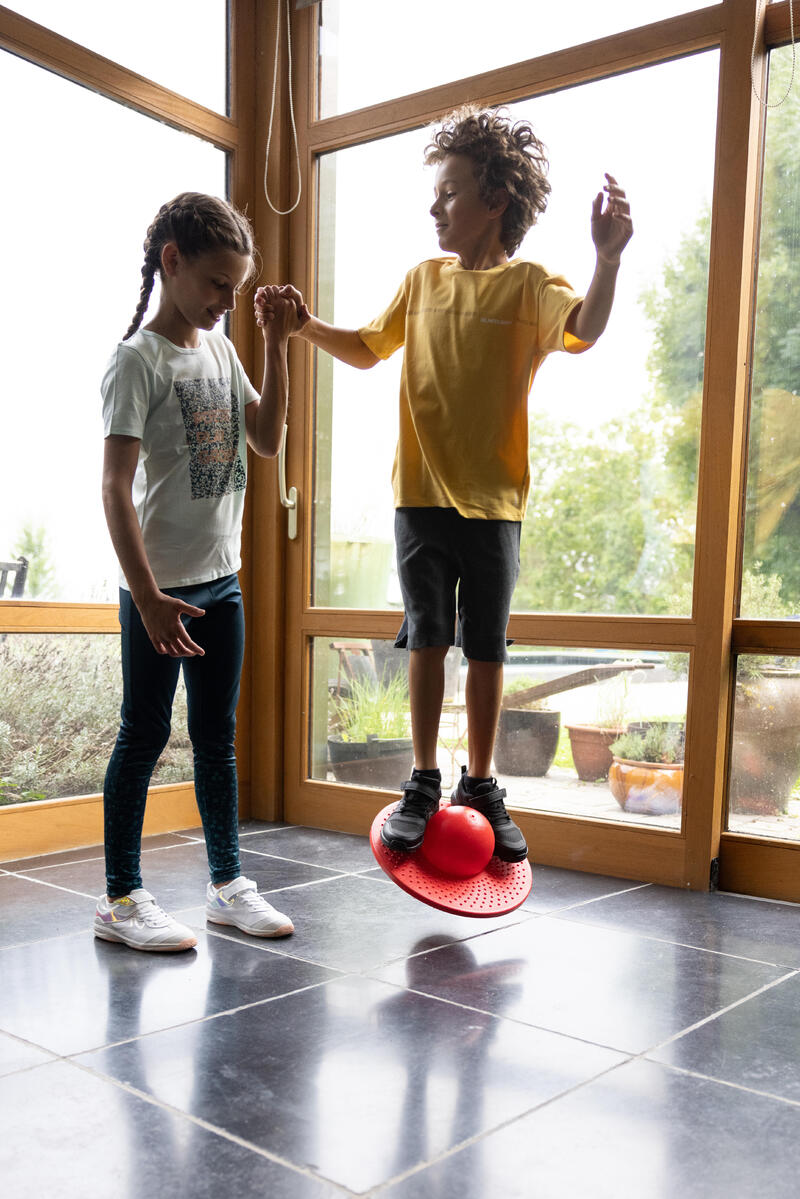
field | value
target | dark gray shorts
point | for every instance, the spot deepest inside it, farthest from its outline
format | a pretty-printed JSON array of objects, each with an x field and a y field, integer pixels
[{"x": 449, "y": 566}]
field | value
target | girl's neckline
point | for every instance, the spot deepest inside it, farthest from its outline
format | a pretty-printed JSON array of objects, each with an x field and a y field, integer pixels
[{"x": 172, "y": 345}]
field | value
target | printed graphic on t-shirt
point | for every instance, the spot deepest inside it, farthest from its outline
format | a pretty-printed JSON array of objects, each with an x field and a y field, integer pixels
[{"x": 211, "y": 419}]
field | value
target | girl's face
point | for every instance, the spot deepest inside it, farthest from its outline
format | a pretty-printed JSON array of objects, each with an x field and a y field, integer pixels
[{"x": 201, "y": 290}]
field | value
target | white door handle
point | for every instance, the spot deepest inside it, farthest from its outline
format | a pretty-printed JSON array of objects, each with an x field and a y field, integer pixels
[{"x": 288, "y": 499}]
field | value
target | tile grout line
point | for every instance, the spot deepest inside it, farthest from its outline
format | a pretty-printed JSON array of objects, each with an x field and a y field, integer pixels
[
  {"x": 215, "y": 1129},
  {"x": 720, "y": 1012},
  {"x": 724, "y": 1082},
  {"x": 735, "y": 957},
  {"x": 489, "y": 1132}
]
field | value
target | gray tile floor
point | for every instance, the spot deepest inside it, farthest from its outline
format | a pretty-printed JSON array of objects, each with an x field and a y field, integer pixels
[{"x": 607, "y": 1039}]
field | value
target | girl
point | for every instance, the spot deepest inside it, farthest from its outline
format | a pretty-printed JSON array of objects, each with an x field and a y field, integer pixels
[{"x": 178, "y": 413}]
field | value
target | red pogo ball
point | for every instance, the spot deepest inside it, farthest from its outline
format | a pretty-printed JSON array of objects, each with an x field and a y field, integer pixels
[{"x": 459, "y": 841}]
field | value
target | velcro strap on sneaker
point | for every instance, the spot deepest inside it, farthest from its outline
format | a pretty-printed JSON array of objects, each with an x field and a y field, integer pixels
[
  {"x": 239, "y": 884},
  {"x": 431, "y": 791}
]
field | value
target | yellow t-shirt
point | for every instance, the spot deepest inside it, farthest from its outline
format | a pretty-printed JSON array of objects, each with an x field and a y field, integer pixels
[{"x": 473, "y": 342}]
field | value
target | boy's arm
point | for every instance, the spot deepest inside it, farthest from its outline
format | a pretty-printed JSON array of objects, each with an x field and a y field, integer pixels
[
  {"x": 612, "y": 229},
  {"x": 344, "y": 344}
]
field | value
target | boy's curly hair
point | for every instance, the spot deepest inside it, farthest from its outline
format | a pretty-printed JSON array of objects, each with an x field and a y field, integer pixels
[{"x": 506, "y": 155}]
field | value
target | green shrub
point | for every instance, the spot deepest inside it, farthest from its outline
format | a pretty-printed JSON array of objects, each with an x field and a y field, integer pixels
[
  {"x": 60, "y": 697},
  {"x": 378, "y": 709}
]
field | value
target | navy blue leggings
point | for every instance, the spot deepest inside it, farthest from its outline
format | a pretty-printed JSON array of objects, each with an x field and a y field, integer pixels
[{"x": 149, "y": 680}]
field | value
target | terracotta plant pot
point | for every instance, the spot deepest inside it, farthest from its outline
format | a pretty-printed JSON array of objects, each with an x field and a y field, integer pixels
[
  {"x": 526, "y": 741},
  {"x": 649, "y": 788},
  {"x": 765, "y": 752},
  {"x": 590, "y": 750}
]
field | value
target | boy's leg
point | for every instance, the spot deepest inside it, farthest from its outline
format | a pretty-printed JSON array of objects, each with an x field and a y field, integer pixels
[
  {"x": 148, "y": 688},
  {"x": 484, "y": 691},
  {"x": 489, "y": 569},
  {"x": 426, "y": 695},
  {"x": 428, "y": 579}
]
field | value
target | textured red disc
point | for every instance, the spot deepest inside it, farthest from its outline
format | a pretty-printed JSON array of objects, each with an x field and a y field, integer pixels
[{"x": 497, "y": 889}]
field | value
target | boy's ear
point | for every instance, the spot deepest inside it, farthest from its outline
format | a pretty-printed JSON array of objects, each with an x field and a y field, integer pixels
[
  {"x": 500, "y": 202},
  {"x": 169, "y": 258}
]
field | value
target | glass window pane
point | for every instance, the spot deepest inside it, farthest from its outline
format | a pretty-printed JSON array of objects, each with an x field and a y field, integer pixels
[
  {"x": 182, "y": 45},
  {"x": 360, "y": 721},
  {"x": 55, "y": 740},
  {"x": 771, "y": 574},
  {"x": 72, "y": 282},
  {"x": 434, "y": 43},
  {"x": 583, "y": 732},
  {"x": 764, "y": 789},
  {"x": 614, "y": 433}
]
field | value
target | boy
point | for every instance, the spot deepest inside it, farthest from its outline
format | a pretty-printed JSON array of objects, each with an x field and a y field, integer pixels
[{"x": 475, "y": 326}]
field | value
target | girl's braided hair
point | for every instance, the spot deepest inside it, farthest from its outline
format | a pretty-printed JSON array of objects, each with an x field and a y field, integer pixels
[
  {"x": 197, "y": 223},
  {"x": 506, "y": 156}
]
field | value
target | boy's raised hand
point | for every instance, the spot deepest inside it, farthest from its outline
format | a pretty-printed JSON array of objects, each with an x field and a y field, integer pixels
[{"x": 612, "y": 227}]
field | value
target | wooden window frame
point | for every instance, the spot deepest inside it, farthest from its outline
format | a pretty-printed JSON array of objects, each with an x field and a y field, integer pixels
[{"x": 712, "y": 635}]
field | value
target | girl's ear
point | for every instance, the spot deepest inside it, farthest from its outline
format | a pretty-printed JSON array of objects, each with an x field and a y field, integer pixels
[{"x": 170, "y": 256}]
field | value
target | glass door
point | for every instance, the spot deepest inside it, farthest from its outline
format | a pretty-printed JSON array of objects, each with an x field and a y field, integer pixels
[
  {"x": 761, "y": 848},
  {"x": 603, "y": 622}
]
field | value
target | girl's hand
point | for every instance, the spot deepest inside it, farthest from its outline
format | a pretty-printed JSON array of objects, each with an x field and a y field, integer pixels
[
  {"x": 269, "y": 300},
  {"x": 612, "y": 229},
  {"x": 161, "y": 616}
]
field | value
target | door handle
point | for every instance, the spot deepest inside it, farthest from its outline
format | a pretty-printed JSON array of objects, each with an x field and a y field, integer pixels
[{"x": 288, "y": 499}]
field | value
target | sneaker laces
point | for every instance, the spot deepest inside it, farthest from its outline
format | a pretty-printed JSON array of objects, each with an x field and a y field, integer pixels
[
  {"x": 151, "y": 914},
  {"x": 492, "y": 804},
  {"x": 414, "y": 802},
  {"x": 251, "y": 898}
]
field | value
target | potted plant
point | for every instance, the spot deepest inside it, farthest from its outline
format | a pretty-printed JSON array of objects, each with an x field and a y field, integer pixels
[
  {"x": 646, "y": 773},
  {"x": 369, "y": 740},
  {"x": 527, "y": 733},
  {"x": 591, "y": 743}
]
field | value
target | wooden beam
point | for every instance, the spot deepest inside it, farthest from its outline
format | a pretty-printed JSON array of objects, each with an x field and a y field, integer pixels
[
  {"x": 658, "y": 42},
  {"x": 56, "y": 53}
]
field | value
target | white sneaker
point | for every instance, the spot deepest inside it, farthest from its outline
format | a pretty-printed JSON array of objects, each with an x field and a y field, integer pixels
[
  {"x": 137, "y": 920},
  {"x": 240, "y": 904}
]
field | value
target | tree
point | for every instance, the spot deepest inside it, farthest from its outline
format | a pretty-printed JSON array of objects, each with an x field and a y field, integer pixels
[
  {"x": 599, "y": 536},
  {"x": 677, "y": 308},
  {"x": 32, "y": 543}
]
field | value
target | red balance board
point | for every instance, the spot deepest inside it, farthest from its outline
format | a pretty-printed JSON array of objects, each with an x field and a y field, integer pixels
[{"x": 464, "y": 888}]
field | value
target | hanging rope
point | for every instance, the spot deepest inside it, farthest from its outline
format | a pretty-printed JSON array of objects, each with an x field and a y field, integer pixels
[
  {"x": 282, "y": 211},
  {"x": 785, "y": 95}
]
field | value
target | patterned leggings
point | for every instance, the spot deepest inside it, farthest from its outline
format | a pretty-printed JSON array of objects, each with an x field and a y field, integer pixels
[{"x": 149, "y": 680}]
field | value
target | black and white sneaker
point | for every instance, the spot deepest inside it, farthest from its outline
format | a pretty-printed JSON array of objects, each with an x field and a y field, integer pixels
[
  {"x": 509, "y": 843},
  {"x": 405, "y": 827}
]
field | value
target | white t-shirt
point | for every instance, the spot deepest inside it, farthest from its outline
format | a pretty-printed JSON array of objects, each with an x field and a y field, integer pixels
[{"x": 186, "y": 406}]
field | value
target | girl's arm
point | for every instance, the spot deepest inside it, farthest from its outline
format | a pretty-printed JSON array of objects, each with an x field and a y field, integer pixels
[
  {"x": 265, "y": 418},
  {"x": 160, "y": 613}
]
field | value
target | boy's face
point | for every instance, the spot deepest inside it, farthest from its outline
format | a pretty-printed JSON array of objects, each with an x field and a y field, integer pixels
[{"x": 465, "y": 223}]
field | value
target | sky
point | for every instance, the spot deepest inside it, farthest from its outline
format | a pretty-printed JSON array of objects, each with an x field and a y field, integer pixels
[{"x": 92, "y": 175}]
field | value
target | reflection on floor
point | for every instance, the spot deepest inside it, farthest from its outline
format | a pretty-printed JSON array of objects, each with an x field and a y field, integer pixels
[{"x": 607, "y": 1039}]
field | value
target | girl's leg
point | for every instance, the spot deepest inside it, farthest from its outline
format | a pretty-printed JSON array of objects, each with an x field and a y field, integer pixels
[
  {"x": 148, "y": 688},
  {"x": 212, "y": 689}
]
